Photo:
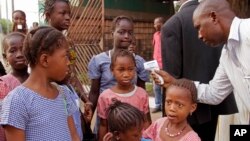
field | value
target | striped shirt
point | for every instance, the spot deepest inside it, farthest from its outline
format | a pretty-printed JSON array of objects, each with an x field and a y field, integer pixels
[{"x": 41, "y": 118}]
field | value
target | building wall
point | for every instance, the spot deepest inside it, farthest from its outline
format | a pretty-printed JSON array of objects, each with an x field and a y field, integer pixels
[{"x": 143, "y": 13}]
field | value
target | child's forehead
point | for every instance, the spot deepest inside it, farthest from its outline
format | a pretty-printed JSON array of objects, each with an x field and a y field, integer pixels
[
  {"x": 122, "y": 23},
  {"x": 124, "y": 58},
  {"x": 14, "y": 39},
  {"x": 178, "y": 90}
]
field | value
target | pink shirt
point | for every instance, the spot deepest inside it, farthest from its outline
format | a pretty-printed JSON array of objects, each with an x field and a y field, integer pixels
[
  {"x": 157, "y": 48},
  {"x": 153, "y": 132},
  {"x": 138, "y": 98},
  {"x": 11, "y": 81},
  {"x": 7, "y": 83}
]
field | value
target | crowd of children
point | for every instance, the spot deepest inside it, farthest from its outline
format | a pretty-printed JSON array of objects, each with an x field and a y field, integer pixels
[{"x": 44, "y": 104}]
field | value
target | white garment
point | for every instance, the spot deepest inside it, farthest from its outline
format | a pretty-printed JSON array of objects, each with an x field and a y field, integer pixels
[{"x": 231, "y": 75}]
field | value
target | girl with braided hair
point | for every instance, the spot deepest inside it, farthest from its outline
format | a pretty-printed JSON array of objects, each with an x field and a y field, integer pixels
[
  {"x": 123, "y": 68},
  {"x": 58, "y": 14},
  {"x": 38, "y": 109},
  {"x": 125, "y": 122},
  {"x": 181, "y": 101}
]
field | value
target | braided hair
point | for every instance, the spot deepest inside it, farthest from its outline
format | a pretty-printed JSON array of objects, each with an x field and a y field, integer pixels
[
  {"x": 117, "y": 20},
  {"x": 189, "y": 85},
  {"x": 43, "y": 39},
  {"x": 49, "y": 6},
  {"x": 121, "y": 53},
  {"x": 123, "y": 116}
]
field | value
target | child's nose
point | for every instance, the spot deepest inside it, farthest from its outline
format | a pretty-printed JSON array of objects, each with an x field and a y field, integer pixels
[
  {"x": 172, "y": 107},
  {"x": 19, "y": 53}
]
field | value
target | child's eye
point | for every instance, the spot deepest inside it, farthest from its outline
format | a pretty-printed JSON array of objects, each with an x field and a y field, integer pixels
[
  {"x": 131, "y": 69},
  {"x": 131, "y": 33},
  {"x": 168, "y": 102},
  {"x": 120, "y": 69},
  {"x": 121, "y": 32},
  {"x": 180, "y": 105},
  {"x": 12, "y": 50}
]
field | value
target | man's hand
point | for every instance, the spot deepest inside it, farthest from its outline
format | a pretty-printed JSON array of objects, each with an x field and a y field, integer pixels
[{"x": 168, "y": 79}]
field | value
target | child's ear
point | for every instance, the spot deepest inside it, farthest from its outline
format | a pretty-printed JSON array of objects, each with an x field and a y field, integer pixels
[
  {"x": 43, "y": 60},
  {"x": 193, "y": 107},
  {"x": 4, "y": 56},
  {"x": 47, "y": 15},
  {"x": 116, "y": 135}
]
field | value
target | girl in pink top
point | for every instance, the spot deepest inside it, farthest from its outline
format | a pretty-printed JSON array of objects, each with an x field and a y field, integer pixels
[
  {"x": 123, "y": 68},
  {"x": 180, "y": 102}
]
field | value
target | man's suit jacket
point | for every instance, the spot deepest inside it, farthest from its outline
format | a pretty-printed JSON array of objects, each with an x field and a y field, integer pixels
[{"x": 186, "y": 56}]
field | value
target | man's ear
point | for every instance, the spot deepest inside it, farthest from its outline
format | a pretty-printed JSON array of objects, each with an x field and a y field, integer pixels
[
  {"x": 43, "y": 60},
  {"x": 213, "y": 16}
]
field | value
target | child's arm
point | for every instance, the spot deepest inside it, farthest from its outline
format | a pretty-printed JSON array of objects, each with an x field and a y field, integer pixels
[
  {"x": 88, "y": 113},
  {"x": 72, "y": 129},
  {"x": 14, "y": 134},
  {"x": 79, "y": 89},
  {"x": 94, "y": 92},
  {"x": 103, "y": 129},
  {"x": 148, "y": 120}
]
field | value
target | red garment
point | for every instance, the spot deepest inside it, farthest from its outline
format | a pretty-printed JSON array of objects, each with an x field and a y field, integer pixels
[
  {"x": 7, "y": 83},
  {"x": 157, "y": 48}
]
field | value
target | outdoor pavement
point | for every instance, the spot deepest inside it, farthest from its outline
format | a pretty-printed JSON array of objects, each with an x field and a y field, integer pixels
[{"x": 154, "y": 116}]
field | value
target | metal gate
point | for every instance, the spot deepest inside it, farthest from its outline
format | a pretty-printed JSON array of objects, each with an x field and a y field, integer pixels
[{"x": 86, "y": 32}]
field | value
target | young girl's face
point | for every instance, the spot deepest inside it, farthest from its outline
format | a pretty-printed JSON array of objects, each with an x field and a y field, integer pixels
[
  {"x": 14, "y": 54},
  {"x": 124, "y": 70},
  {"x": 133, "y": 134},
  {"x": 132, "y": 47},
  {"x": 178, "y": 104},
  {"x": 123, "y": 34},
  {"x": 60, "y": 16},
  {"x": 19, "y": 20},
  {"x": 58, "y": 63}
]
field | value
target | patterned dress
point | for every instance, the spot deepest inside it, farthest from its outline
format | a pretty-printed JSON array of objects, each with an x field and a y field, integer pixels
[{"x": 7, "y": 83}]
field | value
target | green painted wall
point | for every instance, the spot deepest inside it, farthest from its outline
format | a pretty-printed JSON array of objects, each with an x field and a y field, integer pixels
[
  {"x": 149, "y": 6},
  {"x": 138, "y": 6}
]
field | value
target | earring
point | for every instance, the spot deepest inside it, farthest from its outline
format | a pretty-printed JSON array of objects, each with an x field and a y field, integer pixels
[
  {"x": 190, "y": 113},
  {"x": 7, "y": 64},
  {"x": 117, "y": 138}
]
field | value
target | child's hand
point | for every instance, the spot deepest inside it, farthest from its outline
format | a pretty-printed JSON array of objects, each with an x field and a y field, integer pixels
[
  {"x": 108, "y": 137},
  {"x": 88, "y": 113}
]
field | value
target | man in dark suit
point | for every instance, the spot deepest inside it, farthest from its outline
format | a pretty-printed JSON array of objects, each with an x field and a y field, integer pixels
[{"x": 185, "y": 56}]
